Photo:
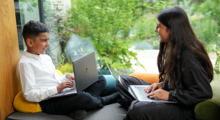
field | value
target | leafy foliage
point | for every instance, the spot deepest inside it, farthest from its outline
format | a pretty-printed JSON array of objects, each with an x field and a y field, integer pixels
[
  {"x": 211, "y": 10},
  {"x": 204, "y": 25},
  {"x": 26, "y": 5},
  {"x": 108, "y": 23},
  {"x": 205, "y": 20},
  {"x": 217, "y": 66}
]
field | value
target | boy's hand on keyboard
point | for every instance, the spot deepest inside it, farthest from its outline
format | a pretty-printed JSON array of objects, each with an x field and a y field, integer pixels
[
  {"x": 65, "y": 84},
  {"x": 160, "y": 94},
  {"x": 152, "y": 87}
]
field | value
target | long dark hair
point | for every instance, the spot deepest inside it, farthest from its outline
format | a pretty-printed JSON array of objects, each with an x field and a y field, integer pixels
[{"x": 170, "y": 60}]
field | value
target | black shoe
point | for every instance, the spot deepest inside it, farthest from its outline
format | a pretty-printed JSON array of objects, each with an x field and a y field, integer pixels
[
  {"x": 110, "y": 98},
  {"x": 78, "y": 114}
]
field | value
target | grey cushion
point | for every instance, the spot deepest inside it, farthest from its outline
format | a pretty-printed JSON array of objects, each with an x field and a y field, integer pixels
[
  {"x": 108, "y": 112},
  {"x": 36, "y": 116}
]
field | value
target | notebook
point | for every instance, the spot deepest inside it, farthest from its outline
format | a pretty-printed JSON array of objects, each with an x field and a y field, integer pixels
[
  {"x": 85, "y": 72},
  {"x": 137, "y": 91}
]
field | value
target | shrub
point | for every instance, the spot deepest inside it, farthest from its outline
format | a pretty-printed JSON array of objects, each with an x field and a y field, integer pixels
[{"x": 108, "y": 24}]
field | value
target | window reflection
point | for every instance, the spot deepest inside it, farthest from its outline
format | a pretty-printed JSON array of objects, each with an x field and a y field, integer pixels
[{"x": 25, "y": 11}]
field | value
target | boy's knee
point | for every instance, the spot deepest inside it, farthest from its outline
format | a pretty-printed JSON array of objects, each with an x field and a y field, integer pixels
[{"x": 84, "y": 97}]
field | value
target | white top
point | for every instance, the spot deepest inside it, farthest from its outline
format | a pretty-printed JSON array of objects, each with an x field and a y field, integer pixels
[{"x": 38, "y": 77}]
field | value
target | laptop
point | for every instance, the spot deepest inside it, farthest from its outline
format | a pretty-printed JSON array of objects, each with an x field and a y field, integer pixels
[
  {"x": 137, "y": 91},
  {"x": 85, "y": 72}
]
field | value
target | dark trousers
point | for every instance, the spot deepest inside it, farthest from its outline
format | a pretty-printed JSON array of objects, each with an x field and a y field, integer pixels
[
  {"x": 143, "y": 110},
  {"x": 87, "y": 100}
]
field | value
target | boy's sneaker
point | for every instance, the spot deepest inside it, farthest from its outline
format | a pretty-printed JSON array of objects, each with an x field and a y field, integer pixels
[{"x": 78, "y": 114}]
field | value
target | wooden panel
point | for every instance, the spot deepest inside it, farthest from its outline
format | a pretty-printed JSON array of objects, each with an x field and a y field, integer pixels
[{"x": 9, "y": 57}]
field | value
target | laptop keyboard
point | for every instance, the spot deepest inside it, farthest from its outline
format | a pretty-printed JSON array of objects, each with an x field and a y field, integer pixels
[
  {"x": 144, "y": 94},
  {"x": 69, "y": 90},
  {"x": 66, "y": 91}
]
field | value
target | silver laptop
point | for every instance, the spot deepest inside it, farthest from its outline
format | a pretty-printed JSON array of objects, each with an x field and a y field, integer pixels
[
  {"x": 137, "y": 91},
  {"x": 85, "y": 72},
  {"x": 65, "y": 92}
]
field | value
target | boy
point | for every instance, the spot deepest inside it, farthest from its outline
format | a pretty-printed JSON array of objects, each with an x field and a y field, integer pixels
[{"x": 39, "y": 79}]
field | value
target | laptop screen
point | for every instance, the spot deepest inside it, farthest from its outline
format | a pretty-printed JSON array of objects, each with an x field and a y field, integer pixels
[{"x": 114, "y": 73}]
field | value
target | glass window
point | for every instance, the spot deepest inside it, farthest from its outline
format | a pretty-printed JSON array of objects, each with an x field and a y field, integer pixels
[
  {"x": 120, "y": 31},
  {"x": 54, "y": 13},
  {"x": 25, "y": 11}
]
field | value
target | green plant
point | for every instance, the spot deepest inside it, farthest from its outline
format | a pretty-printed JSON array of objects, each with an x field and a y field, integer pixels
[
  {"x": 206, "y": 30},
  {"x": 66, "y": 68},
  {"x": 61, "y": 62},
  {"x": 205, "y": 20},
  {"x": 217, "y": 62},
  {"x": 54, "y": 12},
  {"x": 205, "y": 27},
  {"x": 26, "y": 5},
  {"x": 211, "y": 10},
  {"x": 108, "y": 24},
  {"x": 144, "y": 35},
  {"x": 144, "y": 27}
]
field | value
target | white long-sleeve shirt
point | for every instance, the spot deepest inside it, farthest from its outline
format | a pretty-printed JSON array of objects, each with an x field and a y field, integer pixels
[{"x": 38, "y": 77}]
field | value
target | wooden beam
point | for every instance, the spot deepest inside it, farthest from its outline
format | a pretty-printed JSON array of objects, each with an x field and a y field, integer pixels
[{"x": 9, "y": 57}]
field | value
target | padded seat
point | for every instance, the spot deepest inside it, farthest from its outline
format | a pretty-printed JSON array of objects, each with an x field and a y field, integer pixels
[
  {"x": 109, "y": 112},
  {"x": 206, "y": 110},
  {"x": 36, "y": 116}
]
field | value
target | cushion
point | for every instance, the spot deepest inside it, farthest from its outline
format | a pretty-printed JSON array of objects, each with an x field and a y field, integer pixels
[
  {"x": 36, "y": 116},
  {"x": 210, "y": 109},
  {"x": 22, "y": 105},
  {"x": 59, "y": 73},
  {"x": 151, "y": 78},
  {"x": 207, "y": 110},
  {"x": 110, "y": 85},
  {"x": 108, "y": 112}
]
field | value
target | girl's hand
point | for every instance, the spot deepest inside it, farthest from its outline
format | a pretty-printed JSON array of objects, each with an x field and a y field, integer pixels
[
  {"x": 153, "y": 87},
  {"x": 159, "y": 93},
  {"x": 65, "y": 84}
]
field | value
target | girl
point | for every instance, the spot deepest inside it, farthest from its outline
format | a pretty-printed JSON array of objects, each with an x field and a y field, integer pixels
[{"x": 185, "y": 73}]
